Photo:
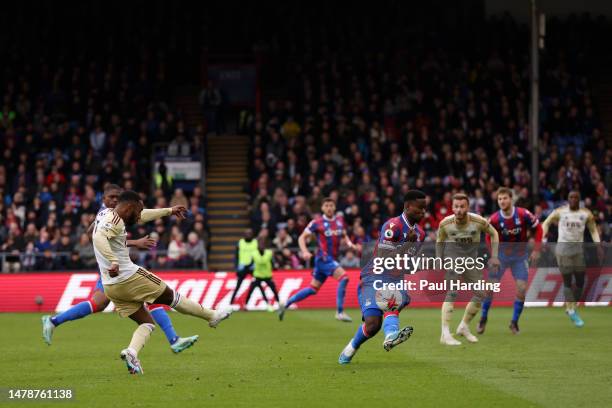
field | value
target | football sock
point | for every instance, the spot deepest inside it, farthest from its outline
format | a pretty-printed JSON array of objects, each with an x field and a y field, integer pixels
[
  {"x": 471, "y": 310},
  {"x": 391, "y": 324},
  {"x": 77, "y": 311},
  {"x": 361, "y": 336},
  {"x": 518, "y": 309},
  {"x": 163, "y": 320},
  {"x": 447, "y": 314},
  {"x": 340, "y": 294},
  {"x": 140, "y": 337},
  {"x": 187, "y": 306},
  {"x": 301, "y": 295},
  {"x": 569, "y": 298},
  {"x": 486, "y": 305}
]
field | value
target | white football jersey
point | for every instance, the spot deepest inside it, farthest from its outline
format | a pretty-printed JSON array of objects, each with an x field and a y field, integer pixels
[
  {"x": 110, "y": 227},
  {"x": 572, "y": 223}
]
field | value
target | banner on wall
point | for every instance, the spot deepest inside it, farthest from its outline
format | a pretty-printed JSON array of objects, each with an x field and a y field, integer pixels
[{"x": 57, "y": 291}]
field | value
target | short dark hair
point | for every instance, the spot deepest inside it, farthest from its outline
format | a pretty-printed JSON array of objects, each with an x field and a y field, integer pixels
[
  {"x": 110, "y": 187},
  {"x": 328, "y": 200},
  {"x": 413, "y": 195},
  {"x": 129, "y": 196}
]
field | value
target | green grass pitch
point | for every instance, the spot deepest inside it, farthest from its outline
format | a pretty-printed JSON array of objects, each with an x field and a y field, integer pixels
[{"x": 254, "y": 360}]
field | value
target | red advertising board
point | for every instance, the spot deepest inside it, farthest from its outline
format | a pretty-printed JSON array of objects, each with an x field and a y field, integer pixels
[{"x": 55, "y": 292}]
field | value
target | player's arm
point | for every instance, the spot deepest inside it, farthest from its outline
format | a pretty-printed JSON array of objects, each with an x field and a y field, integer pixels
[
  {"x": 100, "y": 242},
  {"x": 494, "y": 237},
  {"x": 145, "y": 242},
  {"x": 304, "y": 236},
  {"x": 151, "y": 214},
  {"x": 553, "y": 217},
  {"x": 90, "y": 230},
  {"x": 440, "y": 241},
  {"x": 347, "y": 240},
  {"x": 592, "y": 226}
]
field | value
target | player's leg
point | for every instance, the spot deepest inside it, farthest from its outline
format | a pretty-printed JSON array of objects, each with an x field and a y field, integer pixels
[
  {"x": 494, "y": 277},
  {"x": 473, "y": 307},
  {"x": 161, "y": 317},
  {"x": 341, "y": 276},
  {"x": 187, "y": 306},
  {"x": 520, "y": 273},
  {"x": 96, "y": 303},
  {"x": 318, "y": 278},
  {"x": 391, "y": 326},
  {"x": 448, "y": 307},
  {"x": 141, "y": 335},
  {"x": 569, "y": 266},
  {"x": 372, "y": 322},
  {"x": 579, "y": 278}
]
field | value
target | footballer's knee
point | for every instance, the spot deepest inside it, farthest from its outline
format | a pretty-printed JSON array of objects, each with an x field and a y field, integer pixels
[
  {"x": 166, "y": 298},
  {"x": 521, "y": 289},
  {"x": 99, "y": 301},
  {"x": 372, "y": 325}
]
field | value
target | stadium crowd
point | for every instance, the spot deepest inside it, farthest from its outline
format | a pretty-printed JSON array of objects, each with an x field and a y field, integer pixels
[
  {"x": 364, "y": 128},
  {"x": 72, "y": 121},
  {"x": 365, "y": 117}
]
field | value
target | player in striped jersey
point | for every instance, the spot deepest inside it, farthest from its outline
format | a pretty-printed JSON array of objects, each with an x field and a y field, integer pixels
[
  {"x": 131, "y": 287},
  {"x": 98, "y": 300},
  {"x": 459, "y": 236},
  {"x": 572, "y": 221},
  {"x": 399, "y": 236},
  {"x": 329, "y": 229},
  {"x": 512, "y": 224}
]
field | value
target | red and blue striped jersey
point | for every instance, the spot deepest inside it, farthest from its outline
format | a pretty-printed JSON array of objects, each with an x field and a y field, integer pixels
[
  {"x": 393, "y": 234},
  {"x": 329, "y": 233},
  {"x": 514, "y": 229}
]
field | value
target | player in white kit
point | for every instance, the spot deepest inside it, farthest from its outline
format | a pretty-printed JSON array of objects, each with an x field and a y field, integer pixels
[{"x": 572, "y": 221}]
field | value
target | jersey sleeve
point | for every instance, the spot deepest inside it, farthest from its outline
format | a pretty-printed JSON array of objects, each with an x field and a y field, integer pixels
[
  {"x": 110, "y": 226},
  {"x": 390, "y": 232},
  {"x": 312, "y": 226},
  {"x": 531, "y": 220}
]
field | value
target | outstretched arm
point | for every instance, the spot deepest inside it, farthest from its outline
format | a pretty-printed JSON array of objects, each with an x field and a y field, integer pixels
[
  {"x": 552, "y": 217},
  {"x": 151, "y": 214}
]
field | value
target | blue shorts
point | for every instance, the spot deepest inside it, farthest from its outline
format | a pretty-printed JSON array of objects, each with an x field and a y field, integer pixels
[
  {"x": 324, "y": 268},
  {"x": 99, "y": 285},
  {"x": 366, "y": 294},
  {"x": 518, "y": 266}
]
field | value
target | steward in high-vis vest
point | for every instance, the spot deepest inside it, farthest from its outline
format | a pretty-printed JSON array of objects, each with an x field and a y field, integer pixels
[
  {"x": 262, "y": 272},
  {"x": 245, "y": 250}
]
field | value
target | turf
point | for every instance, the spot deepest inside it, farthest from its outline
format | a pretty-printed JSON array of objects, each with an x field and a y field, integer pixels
[{"x": 254, "y": 360}]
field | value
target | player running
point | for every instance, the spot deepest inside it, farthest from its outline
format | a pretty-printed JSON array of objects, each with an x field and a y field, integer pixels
[
  {"x": 512, "y": 224},
  {"x": 398, "y": 235},
  {"x": 98, "y": 300},
  {"x": 329, "y": 229},
  {"x": 572, "y": 221},
  {"x": 131, "y": 287},
  {"x": 462, "y": 230}
]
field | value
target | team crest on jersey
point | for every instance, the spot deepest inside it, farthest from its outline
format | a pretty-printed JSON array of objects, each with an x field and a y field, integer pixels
[{"x": 389, "y": 233}]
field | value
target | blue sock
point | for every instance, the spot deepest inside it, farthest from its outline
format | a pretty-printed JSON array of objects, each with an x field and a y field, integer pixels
[
  {"x": 486, "y": 305},
  {"x": 518, "y": 309},
  {"x": 360, "y": 337},
  {"x": 340, "y": 294},
  {"x": 75, "y": 312},
  {"x": 391, "y": 324},
  {"x": 163, "y": 320},
  {"x": 301, "y": 295}
]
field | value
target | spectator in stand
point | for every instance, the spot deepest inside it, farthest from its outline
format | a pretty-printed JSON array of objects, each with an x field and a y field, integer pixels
[
  {"x": 211, "y": 101},
  {"x": 177, "y": 250},
  {"x": 349, "y": 260},
  {"x": 196, "y": 251},
  {"x": 86, "y": 251}
]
